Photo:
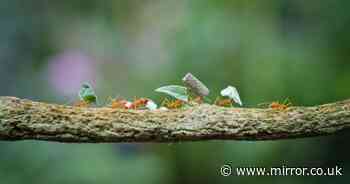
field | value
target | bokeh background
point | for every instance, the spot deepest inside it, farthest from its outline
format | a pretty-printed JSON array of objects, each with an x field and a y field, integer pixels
[{"x": 269, "y": 50}]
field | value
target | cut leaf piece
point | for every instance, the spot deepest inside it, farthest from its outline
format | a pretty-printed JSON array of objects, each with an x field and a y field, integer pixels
[
  {"x": 151, "y": 105},
  {"x": 178, "y": 92},
  {"x": 232, "y": 93}
]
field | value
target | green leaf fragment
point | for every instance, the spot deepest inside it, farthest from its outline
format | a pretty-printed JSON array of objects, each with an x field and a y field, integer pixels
[{"x": 178, "y": 92}]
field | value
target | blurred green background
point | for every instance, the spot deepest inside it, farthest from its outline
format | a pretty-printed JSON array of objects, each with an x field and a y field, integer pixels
[{"x": 269, "y": 50}]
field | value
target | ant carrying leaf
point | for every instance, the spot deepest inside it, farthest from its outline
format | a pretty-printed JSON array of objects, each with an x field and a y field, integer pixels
[
  {"x": 229, "y": 96},
  {"x": 232, "y": 93},
  {"x": 180, "y": 93},
  {"x": 87, "y": 96},
  {"x": 193, "y": 93}
]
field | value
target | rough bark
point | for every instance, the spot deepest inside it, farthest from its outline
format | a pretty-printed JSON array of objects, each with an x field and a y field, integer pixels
[{"x": 24, "y": 119}]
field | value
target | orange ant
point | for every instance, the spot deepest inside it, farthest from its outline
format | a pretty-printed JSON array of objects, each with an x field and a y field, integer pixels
[
  {"x": 120, "y": 104},
  {"x": 81, "y": 103},
  {"x": 281, "y": 106},
  {"x": 223, "y": 102},
  {"x": 139, "y": 103},
  {"x": 124, "y": 104},
  {"x": 278, "y": 106},
  {"x": 172, "y": 104}
]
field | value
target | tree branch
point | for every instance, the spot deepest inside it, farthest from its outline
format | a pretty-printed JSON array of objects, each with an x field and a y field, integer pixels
[{"x": 24, "y": 119}]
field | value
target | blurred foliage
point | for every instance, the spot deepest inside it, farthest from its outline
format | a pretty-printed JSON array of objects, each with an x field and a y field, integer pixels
[{"x": 269, "y": 50}]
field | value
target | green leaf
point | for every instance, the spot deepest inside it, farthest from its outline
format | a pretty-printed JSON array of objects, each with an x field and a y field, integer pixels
[
  {"x": 87, "y": 93},
  {"x": 178, "y": 92}
]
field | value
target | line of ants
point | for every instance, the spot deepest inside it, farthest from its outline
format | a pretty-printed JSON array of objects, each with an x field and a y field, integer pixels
[{"x": 140, "y": 103}]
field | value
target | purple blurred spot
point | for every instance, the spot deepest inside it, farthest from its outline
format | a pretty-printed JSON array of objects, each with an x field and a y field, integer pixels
[{"x": 67, "y": 71}]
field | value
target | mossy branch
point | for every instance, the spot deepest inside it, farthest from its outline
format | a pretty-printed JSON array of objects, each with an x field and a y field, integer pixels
[{"x": 24, "y": 119}]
